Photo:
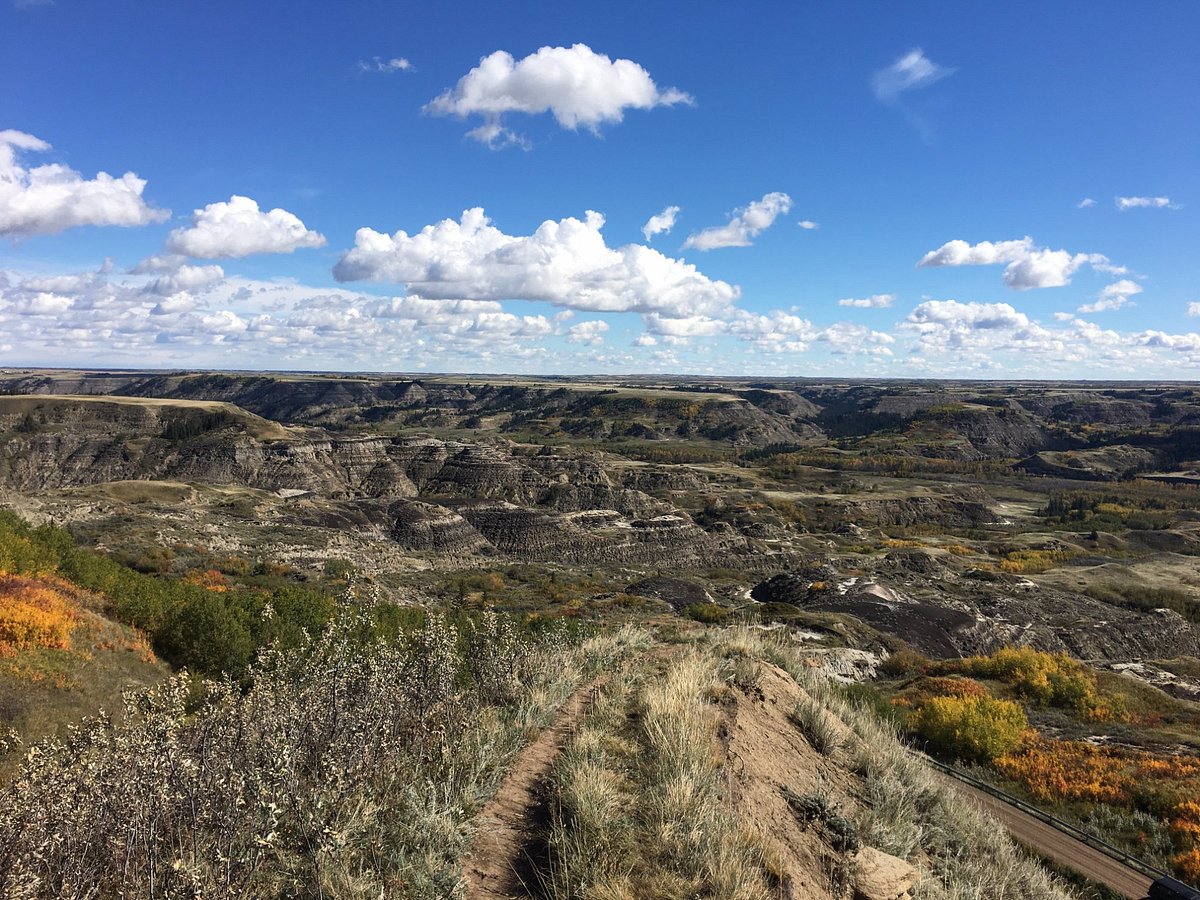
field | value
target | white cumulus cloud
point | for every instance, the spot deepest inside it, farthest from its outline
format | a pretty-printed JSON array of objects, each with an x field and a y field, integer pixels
[
  {"x": 808, "y": 224},
  {"x": 910, "y": 72},
  {"x": 185, "y": 278},
  {"x": 875, "y": 301},
  {"x": 661, "y": 223},
  {"x": 1114, "y": 296},
  {"x": 1025, "y": 264},
  {"x": 239, "y": 228},
  {"x": 1193, "y": 309},
  {"x": 935, "y": 314},
  {"x": 746, "y": 224},
  {"x": 577, "y": 85},
  {"x": 565, "y": 263},
  {"x": 51, "y": 198},
  {"x": 590, "y": 333}
]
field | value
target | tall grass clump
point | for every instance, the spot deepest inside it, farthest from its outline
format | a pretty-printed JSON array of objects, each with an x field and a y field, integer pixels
[
  {"x": 638, "y": 805},
  {"x": 347, "y": 768}
]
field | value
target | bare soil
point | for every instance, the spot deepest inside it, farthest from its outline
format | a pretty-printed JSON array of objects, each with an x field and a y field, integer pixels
[{"x": 766, "y": 754}]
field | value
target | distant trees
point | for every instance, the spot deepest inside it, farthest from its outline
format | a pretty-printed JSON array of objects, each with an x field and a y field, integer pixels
[{"x": 186, "y": 427}]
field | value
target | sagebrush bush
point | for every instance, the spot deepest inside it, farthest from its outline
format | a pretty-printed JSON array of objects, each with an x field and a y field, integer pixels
[
  {"x": 822, "y": 730},
  {"x": 345, "y": 769}
]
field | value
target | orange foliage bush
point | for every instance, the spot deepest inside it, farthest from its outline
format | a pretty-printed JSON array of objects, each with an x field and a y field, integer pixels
[
  {"x": 1073, "y": 770},
  {"x": 209, "y": 579},
  {"x": 1187, "y": 865},
  {"x": 949, "y": 686},
  {"x": 34, "y": 614},
  {"x": 1185, "y": 823}
]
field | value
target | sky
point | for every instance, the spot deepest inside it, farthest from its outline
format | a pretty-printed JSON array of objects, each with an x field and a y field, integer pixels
[{"x": 973, "y": 190}]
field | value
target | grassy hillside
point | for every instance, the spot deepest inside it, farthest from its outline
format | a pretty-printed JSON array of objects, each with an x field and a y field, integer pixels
[{"x": 61, "y": 658}]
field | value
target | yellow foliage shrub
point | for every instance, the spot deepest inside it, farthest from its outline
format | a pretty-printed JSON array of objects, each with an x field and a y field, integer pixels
[
  {"x": 1033, "y": 561},
  {"x": 1185, "y": 823},
  {"x": 945, "y": 686},
  {"x": 1046, "y": 679},
  {"x": 975, "y": 728},
  {"x": 34, "y": 614}
]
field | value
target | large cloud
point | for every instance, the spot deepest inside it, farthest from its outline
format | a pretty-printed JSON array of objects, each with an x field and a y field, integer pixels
[
  {"x": 52, "y": 198},
  {"x": 239, "y": 228},
  {"x": 566, "y": 263},
  {"x": 746, "y": 224},
  {"x": 577, "y": 85},
  {"x": 1025, "y": 264},
  {"x": 935, "y": 314}
]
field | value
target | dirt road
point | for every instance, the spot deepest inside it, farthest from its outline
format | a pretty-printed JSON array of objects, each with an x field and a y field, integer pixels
[{"x": 1059, "y": 847}]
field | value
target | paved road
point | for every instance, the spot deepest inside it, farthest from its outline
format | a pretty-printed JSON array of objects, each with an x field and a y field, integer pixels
[{"x": 1059, "y": 847}]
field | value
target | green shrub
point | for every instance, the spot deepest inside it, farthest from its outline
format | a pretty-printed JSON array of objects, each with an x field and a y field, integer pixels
[
  {"x": 708, "y": 613},
  {"x": 206, "y": 631}
]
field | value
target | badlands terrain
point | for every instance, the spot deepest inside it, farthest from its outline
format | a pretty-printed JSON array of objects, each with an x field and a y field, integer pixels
[{"x": 689, "y": 630}]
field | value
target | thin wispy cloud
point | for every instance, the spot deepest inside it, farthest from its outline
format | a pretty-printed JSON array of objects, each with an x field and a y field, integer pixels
[
  {"x": 808, "y": 224},
  {"x": 1113, "y": 297},
  {"x": 386, "y": 66},
  {"x": 911, "y": 72},
  {"x": 1124, "y": 203},
  {"x": 1085, "y": 203}
]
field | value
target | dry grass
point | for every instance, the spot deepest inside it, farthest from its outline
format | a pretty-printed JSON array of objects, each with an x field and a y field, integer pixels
[{"x": 638, "y": 809}]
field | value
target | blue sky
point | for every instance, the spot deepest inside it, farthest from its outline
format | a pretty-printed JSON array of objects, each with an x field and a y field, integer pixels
[{"x": 962, "y": 137}]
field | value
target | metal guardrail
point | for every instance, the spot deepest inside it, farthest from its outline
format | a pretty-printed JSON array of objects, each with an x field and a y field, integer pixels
[{"x": 1115, "y": 853}]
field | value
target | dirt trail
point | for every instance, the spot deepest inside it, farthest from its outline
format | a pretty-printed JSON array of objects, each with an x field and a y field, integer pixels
[
  {"x": 508, "y": 825},
  {"x": 505, "y": 826}
]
